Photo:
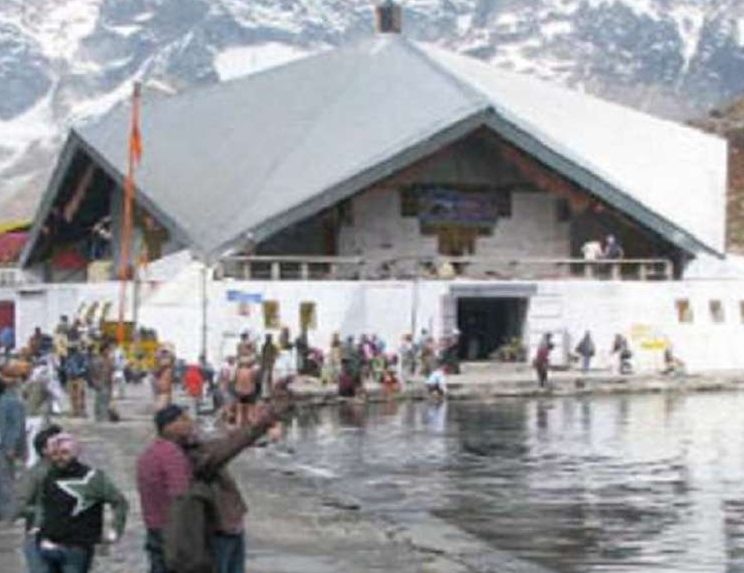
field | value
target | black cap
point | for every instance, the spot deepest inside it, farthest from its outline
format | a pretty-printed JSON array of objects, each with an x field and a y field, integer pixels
[{"x": 166, "y": 415}]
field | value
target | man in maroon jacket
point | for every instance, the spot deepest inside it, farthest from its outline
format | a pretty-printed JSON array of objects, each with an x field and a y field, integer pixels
[{"x": 166, "y": 469}]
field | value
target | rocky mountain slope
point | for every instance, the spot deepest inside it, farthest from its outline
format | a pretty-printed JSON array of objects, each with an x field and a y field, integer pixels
[
  {"x": 62, "y": 61},
  {"x": 728, "y": 122}
]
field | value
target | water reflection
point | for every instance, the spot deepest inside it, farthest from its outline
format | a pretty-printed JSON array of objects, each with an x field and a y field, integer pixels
[{"x": 630, "y": 483}]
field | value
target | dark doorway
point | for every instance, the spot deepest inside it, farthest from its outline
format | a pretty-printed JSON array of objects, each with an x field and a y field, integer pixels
[{"x": 487, "y": 323}]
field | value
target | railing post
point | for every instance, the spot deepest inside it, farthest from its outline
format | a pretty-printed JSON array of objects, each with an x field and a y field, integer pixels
[
  {"x": 588, "y": 270},
  {"x": 276, "y": 271},
  {"x": 668, "y": 270},
  {"x": 247, "y": 270},
  {"x": 615, "y": 271},
  {"x": 643, "y": 272},
  {"x": 304, "y": 271}
]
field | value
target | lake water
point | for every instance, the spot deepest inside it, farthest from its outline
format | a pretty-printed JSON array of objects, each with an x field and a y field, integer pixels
[{"x": 578, "y": 484}]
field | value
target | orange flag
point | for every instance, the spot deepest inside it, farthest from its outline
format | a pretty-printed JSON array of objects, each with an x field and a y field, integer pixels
[{"x": 135, "y": 136}]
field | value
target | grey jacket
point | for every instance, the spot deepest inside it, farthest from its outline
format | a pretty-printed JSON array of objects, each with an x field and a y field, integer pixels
[{"x": 12, "y": 424}]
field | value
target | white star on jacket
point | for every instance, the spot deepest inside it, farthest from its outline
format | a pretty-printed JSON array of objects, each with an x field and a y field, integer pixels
[{"x": 76, "y": 488}]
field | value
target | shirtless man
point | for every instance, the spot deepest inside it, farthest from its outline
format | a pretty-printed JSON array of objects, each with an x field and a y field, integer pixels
[{"x": 246, "y": 389}]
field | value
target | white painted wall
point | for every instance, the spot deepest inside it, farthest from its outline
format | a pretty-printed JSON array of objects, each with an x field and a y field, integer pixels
[
  {"x": 379, "y": 232},
  {"x": 387, "y": 308}
]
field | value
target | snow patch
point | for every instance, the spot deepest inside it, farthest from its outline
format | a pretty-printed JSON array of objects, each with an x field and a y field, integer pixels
[
  {"x": 639, "y": 7},
  {"x": 556, "y": 28},
  {"x": 125, "y": 31},
  {"x": 59, "y": 26},
  {"x": 243, "y": 60}
]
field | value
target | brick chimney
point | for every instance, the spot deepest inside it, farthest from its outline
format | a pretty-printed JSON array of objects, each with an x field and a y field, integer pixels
[{"x": 388, "y": 17}]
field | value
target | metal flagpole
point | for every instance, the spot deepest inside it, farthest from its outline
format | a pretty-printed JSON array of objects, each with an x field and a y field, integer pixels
[{"x": 204, "y": 309}]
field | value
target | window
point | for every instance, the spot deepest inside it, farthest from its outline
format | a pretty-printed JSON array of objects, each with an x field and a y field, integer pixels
[
  {"x": 503, "y": 202},
  {"x": 308, "y": 317},
  {"x": 563, "y": 211},
  {"x": 271, "y": 314},
  {"x": 717, "y": 314},
  {"x": 684, "y": 311},
  {"x": 409, "y": 203},
  {"x": 346, "y": 213}
]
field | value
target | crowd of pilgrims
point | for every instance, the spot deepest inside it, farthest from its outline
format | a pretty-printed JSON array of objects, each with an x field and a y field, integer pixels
[{"x": 77, "y": 358}]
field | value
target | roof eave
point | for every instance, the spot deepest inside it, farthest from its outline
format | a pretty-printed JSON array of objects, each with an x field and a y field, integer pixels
[
  {"x": 176, "y": 230},
  {"x": 47, "y": 200}
]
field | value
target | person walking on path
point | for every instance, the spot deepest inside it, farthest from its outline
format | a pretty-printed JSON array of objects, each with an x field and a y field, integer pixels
[
  {"x": 29, "y": 504},
  {"x": 586, "y": 350},
  {"x": 73, "y": 496},
  {"x": 193, "y": 382},
  {"x": 542, "y": 359},
  {"x": 12, "y": 442},
  {"x": 38, "y": 398},
  {"x": 269, "y": 353},
  {"x": 102, "y": 380},
  {"x": 77, "y": 370},
  {"x": 174, "y": 461}
]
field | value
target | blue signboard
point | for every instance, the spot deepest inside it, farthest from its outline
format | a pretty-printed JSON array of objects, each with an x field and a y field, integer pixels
[
  {"x": 244, "y": 297},
  {"x": 442, "y": 206}
]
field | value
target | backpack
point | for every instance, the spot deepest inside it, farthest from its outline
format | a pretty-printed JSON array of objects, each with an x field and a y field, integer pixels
[{"x": 187, "y": 536}]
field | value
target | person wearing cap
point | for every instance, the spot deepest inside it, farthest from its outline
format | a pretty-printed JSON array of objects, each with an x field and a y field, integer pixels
[
  {"x": 29, "y": 505},
  {"x": 12, "y": 441},
  {"x": 73, "y": 496},
  {"x": 165, "y": 470}
]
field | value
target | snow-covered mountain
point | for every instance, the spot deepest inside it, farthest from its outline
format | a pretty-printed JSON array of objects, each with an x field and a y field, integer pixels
[{"x": 62, "y": 61}]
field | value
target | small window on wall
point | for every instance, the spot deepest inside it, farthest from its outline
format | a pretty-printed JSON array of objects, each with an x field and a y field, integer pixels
[
  {"x": 503, "y": 201},
  {"x": 684, "y": 311},
  {"x": 271, "y": 314},
  {"x": 409, "y": 203},
  {"x": 346, "y": 213},
  {"x": 716, "y": 312},
  {"x": 308, "y": 317},
  {"x": 563, "y": 211}
]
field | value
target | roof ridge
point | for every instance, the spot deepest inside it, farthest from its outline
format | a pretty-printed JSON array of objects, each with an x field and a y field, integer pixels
[
  {"x": 467, "y": 89},
  {"x": 298, "y": 143}
]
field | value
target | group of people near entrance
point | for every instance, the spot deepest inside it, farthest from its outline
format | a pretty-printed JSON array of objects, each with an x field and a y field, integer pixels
[
  {"x": 586, "y": 350},
  {"x": 351, "y": 364}
]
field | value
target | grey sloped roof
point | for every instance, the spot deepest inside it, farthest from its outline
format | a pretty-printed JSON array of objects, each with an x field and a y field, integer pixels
[{"x": 266, "y": 150}]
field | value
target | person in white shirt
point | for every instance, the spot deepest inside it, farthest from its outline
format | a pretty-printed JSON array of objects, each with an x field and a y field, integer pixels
[{"x": 436, "y": 383}]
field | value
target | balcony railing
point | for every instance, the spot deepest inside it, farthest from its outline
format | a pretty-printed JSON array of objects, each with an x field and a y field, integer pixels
[
  {"x": 11, "y": 277},
  {"x": 276, "y": 268}
]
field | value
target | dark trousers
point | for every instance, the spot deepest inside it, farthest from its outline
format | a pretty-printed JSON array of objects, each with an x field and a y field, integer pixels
[
  {"x": 542, "y": 374},
  {"x": 67, "y": 559},
  {"x": 155, "y": 551},
  {"x": 229, "y": 552}
]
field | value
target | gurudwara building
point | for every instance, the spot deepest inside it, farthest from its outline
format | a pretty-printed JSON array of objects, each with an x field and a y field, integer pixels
[{"x": 390, "y": 186}]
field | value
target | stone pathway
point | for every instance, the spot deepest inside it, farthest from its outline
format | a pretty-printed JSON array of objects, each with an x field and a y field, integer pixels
[{"x": 293, "y": 526}]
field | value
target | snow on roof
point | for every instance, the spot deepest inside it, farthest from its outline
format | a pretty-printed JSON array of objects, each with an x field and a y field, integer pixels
[{"x": 264, "y": 151}]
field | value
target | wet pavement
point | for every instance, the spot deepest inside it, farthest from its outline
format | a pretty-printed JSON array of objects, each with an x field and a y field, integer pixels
[
  {"x": 295, "y": 524},
  {"x": 621, "y": 483}
]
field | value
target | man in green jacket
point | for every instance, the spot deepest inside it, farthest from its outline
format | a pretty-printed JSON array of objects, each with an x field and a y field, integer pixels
[
  {"x": 29, "y": 506},
  {"x": 72, "y": 498}
]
